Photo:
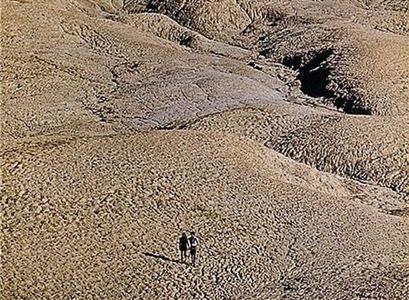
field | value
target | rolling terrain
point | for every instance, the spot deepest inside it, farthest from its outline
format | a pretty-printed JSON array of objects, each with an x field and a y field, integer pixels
[{"x": 277, "y": 130}]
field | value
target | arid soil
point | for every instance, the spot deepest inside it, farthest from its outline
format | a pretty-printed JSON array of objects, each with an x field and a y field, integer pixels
[{"x": 277, "y": 130}]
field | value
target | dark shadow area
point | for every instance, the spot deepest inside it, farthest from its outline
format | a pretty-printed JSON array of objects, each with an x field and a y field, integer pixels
[
  {"x": 186, "y": 40},
  {"x": 348, "y": 106},
  {"x": 399, "y": 212},
  {"x": 265, "y": 52},
  {"x": 314, "y": 72},
  {"x": 153, "y": 5},
  {"x": 163, "y": 257}
]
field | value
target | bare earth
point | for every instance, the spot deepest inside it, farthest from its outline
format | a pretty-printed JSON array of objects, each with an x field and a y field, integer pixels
[{"x": 277, "y": 130}]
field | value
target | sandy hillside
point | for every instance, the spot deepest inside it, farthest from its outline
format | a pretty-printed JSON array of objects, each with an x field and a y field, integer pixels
[{"x": 277, "y": 130}]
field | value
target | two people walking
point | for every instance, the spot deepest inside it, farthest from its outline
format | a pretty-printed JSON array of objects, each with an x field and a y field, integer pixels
[{"x": 186, "y": 243}]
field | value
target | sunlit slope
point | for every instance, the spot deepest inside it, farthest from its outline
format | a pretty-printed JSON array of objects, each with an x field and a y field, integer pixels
[{"x": 80, "y": 217}]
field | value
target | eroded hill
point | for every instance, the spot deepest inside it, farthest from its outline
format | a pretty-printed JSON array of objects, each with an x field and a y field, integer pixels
[{"x": 276, "y": 129}]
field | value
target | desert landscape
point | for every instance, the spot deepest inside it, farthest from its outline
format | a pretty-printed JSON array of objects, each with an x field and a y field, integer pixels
[{"x": 277, "y": 130}]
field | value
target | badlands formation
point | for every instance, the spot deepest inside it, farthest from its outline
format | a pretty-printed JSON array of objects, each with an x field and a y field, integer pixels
[{"x": 276, "y": 129}]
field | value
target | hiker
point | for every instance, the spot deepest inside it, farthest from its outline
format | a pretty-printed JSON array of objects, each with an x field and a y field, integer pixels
[
  {"x": 183, "y": 242},
  {"x": 194, "y": 242}
]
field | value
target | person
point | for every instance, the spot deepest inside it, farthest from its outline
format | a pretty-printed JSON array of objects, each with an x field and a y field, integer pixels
[
  {"x": 183, "y": 242},
  {"x": 194, "y": 242}
]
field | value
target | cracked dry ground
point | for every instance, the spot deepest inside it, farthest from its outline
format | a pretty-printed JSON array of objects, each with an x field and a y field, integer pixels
[{"x": 277, "y": 130}]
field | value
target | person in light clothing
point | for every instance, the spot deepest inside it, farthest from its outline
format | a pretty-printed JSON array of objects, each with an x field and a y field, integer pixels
[{"x": 194, "y": 243}]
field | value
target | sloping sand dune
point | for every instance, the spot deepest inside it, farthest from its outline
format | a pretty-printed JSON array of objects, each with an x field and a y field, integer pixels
[
  {"x": 93, "y": 75},
  {"x": 368, "y": 149},
  {"x": 88, "y": 216},
  {"x": 278, "y": 130},
  {"x": 353, "y": 51}
]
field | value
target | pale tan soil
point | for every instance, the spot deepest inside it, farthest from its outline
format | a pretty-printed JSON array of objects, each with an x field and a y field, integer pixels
[
  {"x": 80, "y": 214},
  {"x": 368, "y": 41},
  {"x": 278, "y": 130},
  {"x": 366, "y": 70},
  {"x": 369, "y": 149},
  {"x": 114, "y": 79}
]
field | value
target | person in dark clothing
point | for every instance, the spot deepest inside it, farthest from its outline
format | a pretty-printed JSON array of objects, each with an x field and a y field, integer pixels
[
  {"x": 194, "y": 242},
  {"x": 183, "y": 243}
]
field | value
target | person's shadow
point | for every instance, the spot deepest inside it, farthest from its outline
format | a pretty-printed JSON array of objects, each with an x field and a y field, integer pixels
[{"x": 163, "y": 257}]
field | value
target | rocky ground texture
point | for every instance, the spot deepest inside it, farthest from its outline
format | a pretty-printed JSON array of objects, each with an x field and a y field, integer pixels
[{"x": 277, "y": 130}]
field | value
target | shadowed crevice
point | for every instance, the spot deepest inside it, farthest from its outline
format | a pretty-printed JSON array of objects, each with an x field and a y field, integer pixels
[{"x": 314, "y": 74}]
